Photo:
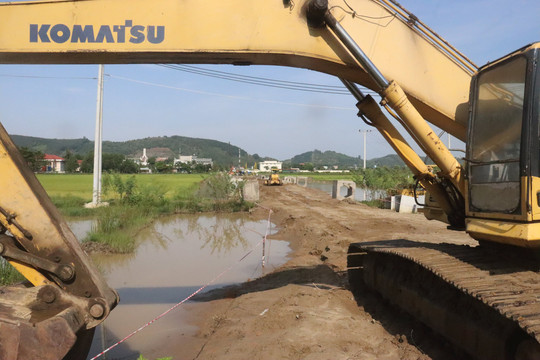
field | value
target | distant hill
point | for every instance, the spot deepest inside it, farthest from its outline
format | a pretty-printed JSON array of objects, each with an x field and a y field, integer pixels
[
  {"x": 388, "y": 160},
  {"x": 222, "y": 153},
  {"x": 327, "y": 158}
]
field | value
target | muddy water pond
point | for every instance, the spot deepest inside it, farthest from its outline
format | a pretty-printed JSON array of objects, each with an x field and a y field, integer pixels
[{"x": 175, "y": 257}]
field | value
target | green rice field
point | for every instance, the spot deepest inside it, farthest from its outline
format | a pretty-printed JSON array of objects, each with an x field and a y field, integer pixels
[{"x": 80, "y": 185}]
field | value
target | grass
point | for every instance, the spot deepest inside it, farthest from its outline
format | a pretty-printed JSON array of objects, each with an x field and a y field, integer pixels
[
  {"x": 80, "y": 185},
  {"x": 117, "y": 226},
  {"x": 58, "y": 185},
  {"x": 8, "y": 274},
  {"x": 71, "y": 205},
  {"x": 143, "y": 358},
  {"x": 375, "y": 203}
]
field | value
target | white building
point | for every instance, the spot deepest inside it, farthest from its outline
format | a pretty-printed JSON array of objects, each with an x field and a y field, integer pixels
[
  {"x": 269, "y": 165},
  {"x": 189, "y": 159},
  {"x": 54, "y": 163},
  {"x": 143, "y": 160}
]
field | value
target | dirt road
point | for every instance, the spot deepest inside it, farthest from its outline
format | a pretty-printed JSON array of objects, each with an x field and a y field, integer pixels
[{"x": 305, "y": 310}]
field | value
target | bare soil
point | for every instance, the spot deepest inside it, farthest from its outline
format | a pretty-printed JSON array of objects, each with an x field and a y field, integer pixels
[{"x": 305, "y": 309}]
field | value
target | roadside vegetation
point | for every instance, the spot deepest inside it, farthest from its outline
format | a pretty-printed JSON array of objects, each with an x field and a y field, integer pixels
[
  {"x": 8, "y": 274},
  {"x": 143, "y": 358},
  {"x": 390, "y": 179}
]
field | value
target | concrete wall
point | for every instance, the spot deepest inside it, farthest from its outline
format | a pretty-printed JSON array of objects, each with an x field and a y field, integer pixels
[
  {"x": 289, "y": 180},
  {"x": 251, "y": 190},
  {"x": 406, "y": 204},
  {"x": 302, "y": 181},
  {"x": 336, "y": 189}
]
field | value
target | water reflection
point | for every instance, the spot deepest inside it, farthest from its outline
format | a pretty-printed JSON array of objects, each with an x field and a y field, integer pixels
[
  {"x": 81, "y": 227},
  {"x": 221, "y": 234},
  {"x": 175, "y": 257}
]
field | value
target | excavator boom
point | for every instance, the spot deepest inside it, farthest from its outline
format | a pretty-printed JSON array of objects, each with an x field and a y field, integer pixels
[{"x": 434, "y": 75}]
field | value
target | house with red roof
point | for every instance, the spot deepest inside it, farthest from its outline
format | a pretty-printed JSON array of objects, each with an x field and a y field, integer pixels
[{"x": 53, "y": 163}]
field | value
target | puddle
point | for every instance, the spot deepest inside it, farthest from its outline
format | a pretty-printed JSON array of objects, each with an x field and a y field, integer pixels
[
  {"x": 81, "y": 228},
  {"x": 175, "y": 257}
]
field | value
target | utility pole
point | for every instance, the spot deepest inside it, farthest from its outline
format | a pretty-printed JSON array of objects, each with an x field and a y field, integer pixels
[
  {"x": 364, "y": 132},
  {"x": 365, "y": 147},
  {"x": 96, "y": 194}
]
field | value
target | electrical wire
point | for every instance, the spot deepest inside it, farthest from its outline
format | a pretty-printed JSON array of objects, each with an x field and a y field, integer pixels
[
  {"x": 48, "y": 77},
  {"x": 261, "y": 81},
  {"x": 366, "y": 18},
  {"x": 228, "y": 96},
  {"x": 337, "y": 87}
]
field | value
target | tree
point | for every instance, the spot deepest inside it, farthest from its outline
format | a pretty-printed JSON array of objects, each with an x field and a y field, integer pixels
[
  {"x": 162, "y": 167},
  {"x": 87, "y": 166},
  {"x": 34, "y": 159},
  {"x": 71, "y": 162},
  {"x": 112, "y": 162},
  {"x": 129, "y": 167},
  {"x": 391, "y": 180},
  {"x": 307, "y": 166}
]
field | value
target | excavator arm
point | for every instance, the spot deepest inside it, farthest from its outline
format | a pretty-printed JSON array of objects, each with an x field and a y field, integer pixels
[
  {"x": 69, "y": 297},
  {"x": 435, "y": 76}
]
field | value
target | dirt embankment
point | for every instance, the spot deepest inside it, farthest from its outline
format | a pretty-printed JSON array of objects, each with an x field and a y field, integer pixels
[{"x": 304, "y": 309}]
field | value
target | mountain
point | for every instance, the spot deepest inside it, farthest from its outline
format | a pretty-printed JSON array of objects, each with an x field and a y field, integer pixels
[
  {"x": 388, "y": 161},
  {"x": 327, "y": 158},
  {"x": 221, "y": 153}
]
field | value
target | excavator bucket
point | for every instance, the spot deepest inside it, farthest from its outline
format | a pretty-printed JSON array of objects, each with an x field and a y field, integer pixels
[{"x": 41, "y": 323}]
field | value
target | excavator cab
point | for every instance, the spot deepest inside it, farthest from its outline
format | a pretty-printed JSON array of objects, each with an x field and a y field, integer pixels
[{"x": 503, "y": 151}]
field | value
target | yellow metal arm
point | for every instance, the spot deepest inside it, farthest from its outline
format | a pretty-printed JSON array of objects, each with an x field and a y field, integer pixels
[{"x": 269, "y": 32}]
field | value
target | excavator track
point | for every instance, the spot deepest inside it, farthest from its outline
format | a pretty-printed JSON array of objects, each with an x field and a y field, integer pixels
[{"x": 484, "y": 300}]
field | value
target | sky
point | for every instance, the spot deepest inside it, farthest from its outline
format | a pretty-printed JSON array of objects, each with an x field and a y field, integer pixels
[{"x": 59, "y": 101}]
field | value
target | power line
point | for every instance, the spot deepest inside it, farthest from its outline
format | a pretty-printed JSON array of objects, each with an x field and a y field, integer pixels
[
  {"x": 261, "y": 81},
  {"x": 253, "y": 80},
  {"x": 226, "y": 95},
  {"x": 49, "y": 77},
  {"x": 336, "y": 87}
]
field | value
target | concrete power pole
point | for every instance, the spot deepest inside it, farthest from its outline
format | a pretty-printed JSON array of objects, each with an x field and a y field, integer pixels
[
  {"x": 364, "y": 132},
  {"x": 96, "y": 194},
  {"x": 365, "y": 142}
]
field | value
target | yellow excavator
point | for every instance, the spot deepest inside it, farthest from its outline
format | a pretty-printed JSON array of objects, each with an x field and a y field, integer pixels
[
  {"x": 273, "y": 179},
  {"x": 484, "y": 299}
]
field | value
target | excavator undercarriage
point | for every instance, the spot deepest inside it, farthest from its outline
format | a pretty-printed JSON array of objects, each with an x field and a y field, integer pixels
[{"x": 484, "y": 300}]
